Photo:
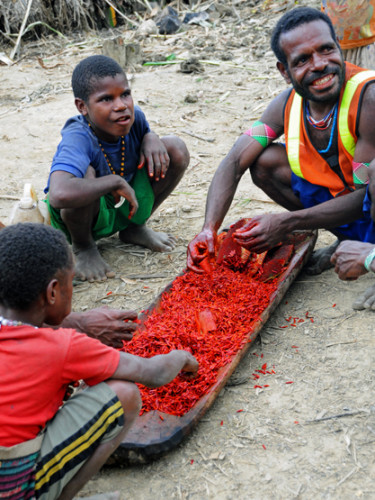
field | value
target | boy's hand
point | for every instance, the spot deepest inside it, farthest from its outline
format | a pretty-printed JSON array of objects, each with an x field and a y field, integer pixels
[
  {"x": 128, "y": 193},
  {"x": 154, "y": 153},
  {"x": 191, "y": 366}
]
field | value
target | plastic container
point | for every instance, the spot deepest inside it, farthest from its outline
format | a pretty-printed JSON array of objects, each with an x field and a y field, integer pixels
[{"x": 28, "y": 208}]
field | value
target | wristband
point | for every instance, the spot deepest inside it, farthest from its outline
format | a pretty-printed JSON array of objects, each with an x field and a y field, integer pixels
[{"x": 369, "y": 259}]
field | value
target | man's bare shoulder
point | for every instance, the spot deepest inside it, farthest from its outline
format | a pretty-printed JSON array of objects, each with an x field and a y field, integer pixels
[
  {"x": 368, "y": 98},
  {"x": 273, "y": 115},
  {"x": 366, "y": 122}
]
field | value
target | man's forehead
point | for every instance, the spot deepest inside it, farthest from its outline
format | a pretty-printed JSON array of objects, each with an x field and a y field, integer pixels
[{"x": 304, "y": 34}]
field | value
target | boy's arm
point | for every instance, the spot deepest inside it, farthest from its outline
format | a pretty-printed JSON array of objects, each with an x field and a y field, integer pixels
[
  {"x": 69, "y": 191},
  {"x": 155, "y": 371}
]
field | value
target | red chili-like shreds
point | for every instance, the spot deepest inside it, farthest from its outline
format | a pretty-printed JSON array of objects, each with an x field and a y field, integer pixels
[{"x": 208, "y": 315}]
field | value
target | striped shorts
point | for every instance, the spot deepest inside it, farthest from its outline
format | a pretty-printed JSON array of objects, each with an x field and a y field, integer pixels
[
  {"x": 40, "y": 468},
  {"x": 89, "y": 418}
]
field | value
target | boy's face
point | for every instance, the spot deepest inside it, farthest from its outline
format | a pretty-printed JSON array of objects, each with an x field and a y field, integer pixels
[{"x": 110, "y": 108}]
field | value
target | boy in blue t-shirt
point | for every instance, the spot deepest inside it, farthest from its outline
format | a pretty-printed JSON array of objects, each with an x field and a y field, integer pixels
[{"x": 110, "y": 171}]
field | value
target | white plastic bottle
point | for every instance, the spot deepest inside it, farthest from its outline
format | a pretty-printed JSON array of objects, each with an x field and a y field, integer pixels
[{"x": 27, "y": 209}]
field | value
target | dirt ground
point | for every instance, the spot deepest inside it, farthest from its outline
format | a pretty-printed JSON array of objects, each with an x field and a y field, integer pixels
[{"x": 310, "y": 439}]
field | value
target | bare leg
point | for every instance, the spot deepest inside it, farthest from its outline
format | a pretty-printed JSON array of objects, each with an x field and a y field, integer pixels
[
  {"x": 89, "y": 264},
  {"x": 130, "y": 399},
  {"x": 143, "y": 235},
  {"x": 272, "y": 174}
]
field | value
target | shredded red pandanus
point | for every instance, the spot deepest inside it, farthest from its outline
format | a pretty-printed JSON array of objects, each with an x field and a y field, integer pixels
[{"x": 210, "y": 316}]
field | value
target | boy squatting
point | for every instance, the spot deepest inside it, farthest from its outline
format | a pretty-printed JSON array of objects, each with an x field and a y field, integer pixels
[
  {"x": 107, "y": 152},
  {"x": 48, "y": 449}
]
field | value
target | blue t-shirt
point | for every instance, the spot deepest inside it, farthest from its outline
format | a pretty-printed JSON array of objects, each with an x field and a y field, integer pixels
[{"x": 79, "y": 148}]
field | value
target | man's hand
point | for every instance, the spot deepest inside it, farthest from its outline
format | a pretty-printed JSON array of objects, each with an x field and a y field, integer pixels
[
  {"x": 201, "y": 247},
  {"x": 261, "y": 233},
  {"x": 154, "y": 153},
  {"x": 349, "y": 259},
  {"x": 110, "y": 326}
]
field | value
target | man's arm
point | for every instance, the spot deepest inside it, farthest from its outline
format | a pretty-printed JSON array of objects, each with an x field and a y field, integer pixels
[
  {"x": 155, "y": 371},
  {"x": 225, "y": 181},
  {"x": 365, "y": 148},
  {"x": 110, "y": 326},
  {"x": 265, "y": 231}
]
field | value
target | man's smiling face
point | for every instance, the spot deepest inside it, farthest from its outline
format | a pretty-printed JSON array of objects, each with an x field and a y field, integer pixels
[{"x": 315, "y": 66}]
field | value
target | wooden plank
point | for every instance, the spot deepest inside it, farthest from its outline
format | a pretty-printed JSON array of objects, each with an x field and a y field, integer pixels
[{"x": 150, "y": 436}]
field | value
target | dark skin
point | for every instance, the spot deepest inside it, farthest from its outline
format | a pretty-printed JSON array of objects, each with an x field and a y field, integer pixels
[
  {"x": 110, "y": 112},
  {"x": 110, "y": 326},
  {"x": 52, "y": 307},
  {"x": 314, "y": 64}
]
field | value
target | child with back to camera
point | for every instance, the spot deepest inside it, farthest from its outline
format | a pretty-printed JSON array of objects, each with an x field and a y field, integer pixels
[
  {"x": 50, "y": 449},
  {"x": 108, "y": 152}
]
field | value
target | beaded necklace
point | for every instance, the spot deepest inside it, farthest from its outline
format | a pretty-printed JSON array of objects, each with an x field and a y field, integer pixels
[
  {"x": 11, "y": 322},
  {"x": 122, "y": 162},
  {"x": 322, "y": 124}
]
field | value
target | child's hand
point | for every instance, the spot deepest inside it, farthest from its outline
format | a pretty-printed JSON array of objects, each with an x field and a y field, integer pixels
[
  {"x": 154, "y": 153},
  {"x": 191, "y": 366},
  {"x": 128, "y": 193}
]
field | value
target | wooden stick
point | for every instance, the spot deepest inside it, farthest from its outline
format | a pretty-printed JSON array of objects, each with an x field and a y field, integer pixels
[
  {"x": 207, "y": 139},
  {"x": 15, "y": 48},
  {"x": 9, "y": 197},
  {"x": 340, "y": 415}
]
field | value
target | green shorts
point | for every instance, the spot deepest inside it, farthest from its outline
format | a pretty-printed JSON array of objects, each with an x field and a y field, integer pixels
[
  {"x": 91, "y": 417},
  {"x": 110, "y": 220}
]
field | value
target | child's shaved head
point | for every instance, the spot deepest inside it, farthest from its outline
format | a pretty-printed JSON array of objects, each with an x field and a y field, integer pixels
[
  {"x": 30, "y": 257},
  {"x": 89, "y": 71}
]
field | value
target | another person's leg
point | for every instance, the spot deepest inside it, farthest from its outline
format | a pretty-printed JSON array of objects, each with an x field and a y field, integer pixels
[
  {"x": 82, "y": 436},
  {"x": 142, "y": 234},
  {"x": 272, "y": 174},
  {"x": 89, "y": 264}
]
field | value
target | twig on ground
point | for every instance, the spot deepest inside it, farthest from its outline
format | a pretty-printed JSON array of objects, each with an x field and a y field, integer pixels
[
  {"x": 207, "y": 139},
  {"x": 9, "y": 197},
  {"x": 340, "y": 415},
  {"x": 342, "y": 343},
  {"x": 353, "y": 471}
]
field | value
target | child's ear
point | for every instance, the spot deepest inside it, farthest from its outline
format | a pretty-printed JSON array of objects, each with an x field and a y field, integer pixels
[
  {"x": 51, "y": 291},
  {"x": 81, "y": 106}
]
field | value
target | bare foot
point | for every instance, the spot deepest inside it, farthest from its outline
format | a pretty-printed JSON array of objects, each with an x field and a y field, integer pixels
[
  {"x": 366, "y": 300},
  {"x": 113, "y": 495},
  {"x": 320, "y": 260},
  {"x": 90, "y": 266},
  {"x": 146, "y": 237}
]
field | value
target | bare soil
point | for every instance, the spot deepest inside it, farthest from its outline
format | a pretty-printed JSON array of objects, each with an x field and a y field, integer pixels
[{"x": 313, "y": 438}]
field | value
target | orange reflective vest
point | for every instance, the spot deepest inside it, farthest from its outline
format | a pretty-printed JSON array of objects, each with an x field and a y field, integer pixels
[{"x": 304, "y": 159}]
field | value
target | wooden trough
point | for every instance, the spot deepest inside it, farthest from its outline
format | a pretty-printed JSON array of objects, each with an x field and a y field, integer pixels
[{"x": 151, "y": 437}]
